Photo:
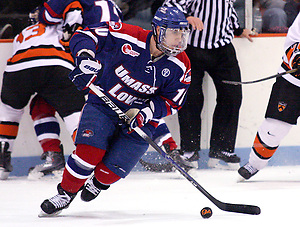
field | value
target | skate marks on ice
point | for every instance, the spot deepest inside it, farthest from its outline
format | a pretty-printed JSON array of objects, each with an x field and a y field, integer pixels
[{"x": 158, "y": 199}]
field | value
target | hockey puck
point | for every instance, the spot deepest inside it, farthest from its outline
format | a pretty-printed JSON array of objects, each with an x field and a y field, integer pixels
[{"x": 206, "y": 212}]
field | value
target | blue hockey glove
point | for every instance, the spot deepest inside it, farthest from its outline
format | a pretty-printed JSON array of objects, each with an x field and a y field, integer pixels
[
  {"x": 140, "y": 117},
  {"x": 85, "y": 72}
]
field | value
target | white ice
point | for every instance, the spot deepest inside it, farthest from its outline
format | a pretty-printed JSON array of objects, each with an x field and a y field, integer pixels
[{"x": 160, "y": 199}]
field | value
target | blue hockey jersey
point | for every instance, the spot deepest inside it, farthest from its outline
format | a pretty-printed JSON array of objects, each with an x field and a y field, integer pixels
[
  {"x": 94, "y": 11},
  {"x": 129, "y": 73}
]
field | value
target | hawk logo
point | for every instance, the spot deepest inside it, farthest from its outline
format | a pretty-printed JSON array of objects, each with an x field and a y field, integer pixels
[
  {"x": 115, "y": 25},
  {"x": 127, "y": 49},
  {"x": 87, "y": 133},
  {"x": 281, "y": 106}
]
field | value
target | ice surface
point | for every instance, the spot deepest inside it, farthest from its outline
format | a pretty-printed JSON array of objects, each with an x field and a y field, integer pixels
[{"x": 160, "y": 199}]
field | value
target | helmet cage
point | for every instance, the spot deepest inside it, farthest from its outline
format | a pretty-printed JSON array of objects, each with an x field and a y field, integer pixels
[
  {"x": 172, "y": 41},
  {"x": 172, "y": 36}
]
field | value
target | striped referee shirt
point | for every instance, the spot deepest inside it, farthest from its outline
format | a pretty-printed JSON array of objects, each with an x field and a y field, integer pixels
[{"x": 219, "y": 19}]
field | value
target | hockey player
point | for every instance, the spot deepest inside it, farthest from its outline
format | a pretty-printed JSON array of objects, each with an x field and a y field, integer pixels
[
  {"x": 142, "y": 69},
  {"x": 283, "y": 108},
  {"x": 46, "y": 125},
  {"x": 94, "y": 12},
  {"x": 40, "y": 65}
]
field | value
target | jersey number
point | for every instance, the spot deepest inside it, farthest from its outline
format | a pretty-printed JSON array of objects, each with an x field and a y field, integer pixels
[
  {"x": 106, "y": 11},
  {"x": 32, "y": 31}
]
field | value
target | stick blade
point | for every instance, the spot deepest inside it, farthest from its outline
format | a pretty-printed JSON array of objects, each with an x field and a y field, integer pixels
[{"x": 240, "y": 208}]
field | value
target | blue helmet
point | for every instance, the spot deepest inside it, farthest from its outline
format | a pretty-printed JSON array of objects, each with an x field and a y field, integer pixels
[{"x": 172, "y": 35}]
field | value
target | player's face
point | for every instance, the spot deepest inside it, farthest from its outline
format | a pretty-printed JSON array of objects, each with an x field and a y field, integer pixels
[{"x": 174, "y": 40}]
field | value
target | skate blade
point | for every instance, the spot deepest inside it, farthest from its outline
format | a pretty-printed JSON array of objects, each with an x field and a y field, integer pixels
[
  {"x": 42, "y": 214},
  {"x": 34, "y": 175},
  {"x": 240, "y": 179},
  {"x": 215, "y": 163},
  {"x": 3, "y": 174},
  {"x": 58, "y": 173}
]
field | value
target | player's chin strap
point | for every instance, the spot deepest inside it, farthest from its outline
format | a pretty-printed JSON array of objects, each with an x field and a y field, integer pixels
[{"x": 237, "y": 208}]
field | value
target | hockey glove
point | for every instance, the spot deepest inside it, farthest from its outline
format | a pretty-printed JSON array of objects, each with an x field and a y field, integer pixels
[
  {"x": 85, "y": 73},
  {"x": 140, "y": 117},
  {"x": 296, "y": 65},
  {"x": 68, "y": 31}
]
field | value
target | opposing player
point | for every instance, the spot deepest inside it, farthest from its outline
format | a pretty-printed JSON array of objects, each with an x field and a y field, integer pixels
[
  {"x": 39, "y": 65},
  {"x": 283, "y": 108},
  {"x": 142, "y": 70}
]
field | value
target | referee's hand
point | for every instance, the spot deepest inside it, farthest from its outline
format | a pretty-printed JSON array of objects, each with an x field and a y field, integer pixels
[
  {"x": 246, "y": 34},
  {"x": 196, "y": 23}
]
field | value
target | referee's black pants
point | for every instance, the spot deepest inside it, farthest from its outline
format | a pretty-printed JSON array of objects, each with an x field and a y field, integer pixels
[{"x": 221, "y": 64}]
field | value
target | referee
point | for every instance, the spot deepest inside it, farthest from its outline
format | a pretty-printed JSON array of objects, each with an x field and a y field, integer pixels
[{"x": 214, "y": 24}]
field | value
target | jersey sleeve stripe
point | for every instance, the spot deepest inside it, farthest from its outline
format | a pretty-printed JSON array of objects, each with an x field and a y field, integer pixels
[
  {"x": 51, "y": 11},
  {"x": 129, "y": 38}
]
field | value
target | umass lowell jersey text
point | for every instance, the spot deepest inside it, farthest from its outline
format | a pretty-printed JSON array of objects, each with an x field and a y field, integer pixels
[{"x": 129, "y": 74}]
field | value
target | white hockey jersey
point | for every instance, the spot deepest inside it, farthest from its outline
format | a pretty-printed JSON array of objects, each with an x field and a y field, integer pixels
[
  {"x": 38, "y": 45},
  {"x": 292, "y": 48}
]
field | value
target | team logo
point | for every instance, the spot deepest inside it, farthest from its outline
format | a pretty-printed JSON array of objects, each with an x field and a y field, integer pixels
[
  {"x": 87, "y": 133},
  {"x": 115, "y": 25},
  {"x": 165, "y": 72},
  {"x": 127, "y": 49},
  {"x": 281, "y": 106}
]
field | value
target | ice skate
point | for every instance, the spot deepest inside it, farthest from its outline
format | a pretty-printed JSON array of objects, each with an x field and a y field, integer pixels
[
  {"x": 54, "y": 205},
  {"x": 92, "y": 189},
  {"x": 186, "y": 160},
  {"x": 54, "y": 164},
  {"x": 231, "y": 160},
  {"x": 5, "y": 161},
  {"x": 247, "y": 171}
]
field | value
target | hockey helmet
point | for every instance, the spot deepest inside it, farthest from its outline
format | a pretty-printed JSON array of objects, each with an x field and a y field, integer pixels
[{"x": 172, "y": 36}]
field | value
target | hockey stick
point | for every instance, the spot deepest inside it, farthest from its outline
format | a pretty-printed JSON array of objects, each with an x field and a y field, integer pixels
[
  {"x": 259, "y": 80},
  {"x": 237, "y": 208}
]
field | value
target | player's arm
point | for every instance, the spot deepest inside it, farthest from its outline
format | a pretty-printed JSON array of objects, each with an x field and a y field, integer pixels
[
  {"x": 73, "y": 19},
  {"x": 51, "y": 12},
  {"x": 83, "y": 45},
  {"x": 168, "y": 102},
  {"x": 292, "y": 56},
  {"x": 172, "y": 97}
]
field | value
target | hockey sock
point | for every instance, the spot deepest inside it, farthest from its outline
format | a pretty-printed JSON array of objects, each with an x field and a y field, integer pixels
[
  {"x": 80, "y": 165},
  {"x": 104, "y": 175},
  {"x": 46, "y": 125}
]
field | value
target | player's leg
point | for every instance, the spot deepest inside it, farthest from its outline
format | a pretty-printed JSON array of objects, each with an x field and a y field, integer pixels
[
  {"x": 47, "y": 129},
  {"x": 14, "y": 97},
  {"x": 266, "y": 142},
  {"x": 124, "y": 152},
  {"x": 9, "y": 126},
  {"x": 91, "y": 143},
  {"x": 282, "y": 113}
]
